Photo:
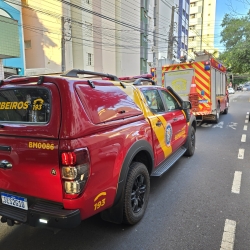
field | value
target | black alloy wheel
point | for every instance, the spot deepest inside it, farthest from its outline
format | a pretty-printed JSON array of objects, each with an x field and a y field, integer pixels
[
  {"x": 136, "y": 193},
  {"x": 190, "y": 144}
]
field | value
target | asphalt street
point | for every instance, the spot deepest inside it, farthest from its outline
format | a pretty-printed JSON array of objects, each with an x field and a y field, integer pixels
[{"x": 202, "y": 202}]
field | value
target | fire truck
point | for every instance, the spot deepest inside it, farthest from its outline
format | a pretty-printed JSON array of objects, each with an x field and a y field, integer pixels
[{"x": 203, "y": 82}]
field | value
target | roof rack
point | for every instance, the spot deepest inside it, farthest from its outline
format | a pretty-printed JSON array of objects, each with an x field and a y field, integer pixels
[
  {"x": 144, "y": 76},
  {"x": 76, "y": 72}
]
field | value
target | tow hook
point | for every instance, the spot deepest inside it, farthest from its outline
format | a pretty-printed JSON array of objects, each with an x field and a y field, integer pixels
[
  {"x": 3, "y": 219},
  {"x": 9, "y": 221}
]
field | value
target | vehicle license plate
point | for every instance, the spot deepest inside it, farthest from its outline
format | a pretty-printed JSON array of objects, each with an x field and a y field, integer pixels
[{"x": 14, "y": 201}]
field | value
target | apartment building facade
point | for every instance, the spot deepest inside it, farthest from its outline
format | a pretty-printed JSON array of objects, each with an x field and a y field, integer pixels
[
  {"x": 183, "y": 28},
  {"x": 116, "y": 37},
  {"x": 171, "y": 22},
  {"x": 202, "y": 26},
  {"x": 85, "y": 34}
]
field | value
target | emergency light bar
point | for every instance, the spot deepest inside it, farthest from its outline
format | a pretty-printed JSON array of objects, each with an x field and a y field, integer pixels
[{"x": 144, "y": 76}]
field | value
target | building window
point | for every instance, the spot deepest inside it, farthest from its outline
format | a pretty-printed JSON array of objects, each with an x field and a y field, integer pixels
[
  {"x": 192, "y": 16},
  {"x": 27, "y": 44},
  {"x": 88, "y": 1},
  {"x": 90, "y": 59},
  {"x": 192, "y": 27}
]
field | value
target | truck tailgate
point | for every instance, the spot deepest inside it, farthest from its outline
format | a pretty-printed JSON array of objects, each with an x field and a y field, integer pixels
[
  {"x": 33, "y": 167},
  {"x": 30, "y": 117}
]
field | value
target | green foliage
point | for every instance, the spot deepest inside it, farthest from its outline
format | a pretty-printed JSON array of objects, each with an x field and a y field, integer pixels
[{"x": 236, "y": 38}]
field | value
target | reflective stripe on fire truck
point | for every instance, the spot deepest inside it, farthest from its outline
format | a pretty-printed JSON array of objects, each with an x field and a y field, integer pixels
[{"x": 202, "y": 79}]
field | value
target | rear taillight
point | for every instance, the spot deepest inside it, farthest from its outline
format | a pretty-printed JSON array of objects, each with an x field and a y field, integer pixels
[{"x": 75, "y": 171}]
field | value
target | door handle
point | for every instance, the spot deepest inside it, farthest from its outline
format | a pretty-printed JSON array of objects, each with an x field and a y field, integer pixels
[{"x": 158, "y": 124}]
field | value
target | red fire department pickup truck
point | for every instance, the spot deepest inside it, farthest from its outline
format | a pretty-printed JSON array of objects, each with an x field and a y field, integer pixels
[{"x": 82, "y": 143}]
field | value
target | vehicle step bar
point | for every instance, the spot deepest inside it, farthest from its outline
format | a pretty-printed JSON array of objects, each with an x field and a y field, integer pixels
[{"x": 159, "y": 171}]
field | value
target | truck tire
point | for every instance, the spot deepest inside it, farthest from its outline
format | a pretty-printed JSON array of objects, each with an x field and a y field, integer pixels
[
  {"x": 190, "y": 143},
  {"x": 226, "y": 109},
  {"x": 136, "y": 196},
  {"x": 217, "y": 115}
]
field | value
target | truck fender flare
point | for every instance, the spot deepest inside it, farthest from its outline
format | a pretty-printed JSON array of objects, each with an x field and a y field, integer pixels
[
  {"x": 115, "y": 213},
  {"x": 134, "y": 149},
  {"x": 193, "y": 122}
]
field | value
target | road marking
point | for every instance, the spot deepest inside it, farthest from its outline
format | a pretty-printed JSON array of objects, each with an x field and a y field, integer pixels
[
  {"x": 245, "y": 127},
  {"x": 234, "y": 100},
  {"x": 236, "y": 182},
  {"x": 232, "y": 125},
  {"x": 247, "y": 116},
  {"x": 228, "y": 237},
  {"x": 243, "y": 138},
  {"x": 219, "y": 125},
  {"x": 246, "y": 121},
  {"x": 241, "y": 153},
  {"x": 206, "y": 125}
]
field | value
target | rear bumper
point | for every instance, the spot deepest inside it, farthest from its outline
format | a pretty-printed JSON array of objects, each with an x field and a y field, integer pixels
[{"x": 42, "y": 213}]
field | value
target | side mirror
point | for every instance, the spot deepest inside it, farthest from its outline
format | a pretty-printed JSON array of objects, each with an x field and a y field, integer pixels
[{"x": 186, "y": 105}]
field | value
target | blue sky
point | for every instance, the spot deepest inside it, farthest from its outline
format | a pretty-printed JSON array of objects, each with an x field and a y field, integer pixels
[{"x": 234, "y": 7}]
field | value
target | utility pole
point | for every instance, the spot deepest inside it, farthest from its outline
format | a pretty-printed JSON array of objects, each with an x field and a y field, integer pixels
[
  {"x": 171, "y": 36},
  {"x": 63, "y": 44}
]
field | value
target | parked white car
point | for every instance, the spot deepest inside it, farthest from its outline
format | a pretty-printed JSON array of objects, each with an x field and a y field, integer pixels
[{"x": 231, "y": 91}]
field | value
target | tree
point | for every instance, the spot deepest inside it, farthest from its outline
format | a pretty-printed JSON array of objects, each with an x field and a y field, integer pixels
[{"x": 236, "y": 39}]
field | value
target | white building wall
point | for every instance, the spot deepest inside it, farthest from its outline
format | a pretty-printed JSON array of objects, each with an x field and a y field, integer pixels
[
  {"x": 163, "y": 22},
  {"x": 1, "y": 70},
  {"x": 114, "y": 47},
  {"x": 107, "y": 50},
  {"x": 127, "y": 40},
  {"x": 82, "y": 35},
  {"x": 164, "y": 13}
]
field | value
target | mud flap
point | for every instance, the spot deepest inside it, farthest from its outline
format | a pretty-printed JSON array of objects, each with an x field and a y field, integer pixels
[{"x": 115, "y": 213}]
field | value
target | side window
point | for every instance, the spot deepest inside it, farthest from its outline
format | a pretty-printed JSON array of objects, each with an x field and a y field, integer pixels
[
  {"x": 154, "y": 100},
  {"x": 169, "y": 100}
]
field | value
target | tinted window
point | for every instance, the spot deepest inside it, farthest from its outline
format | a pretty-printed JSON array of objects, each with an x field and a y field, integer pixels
[
  {"x": 169, "y": 100},
  {"x": 25, "y": 105},
  {"x": 154, "y": 100},
  {"x": 107, "y": 103}
]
